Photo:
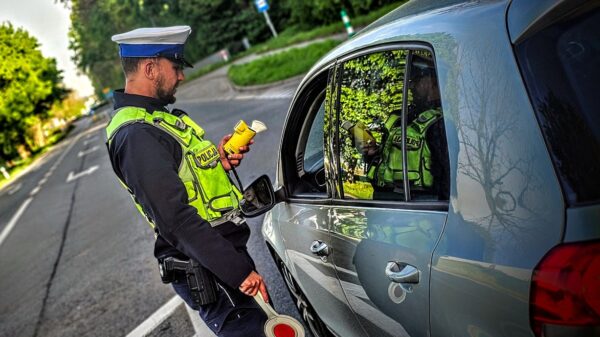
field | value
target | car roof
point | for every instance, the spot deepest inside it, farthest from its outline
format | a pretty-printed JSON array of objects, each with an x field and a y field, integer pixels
[
  {"x": 525, "y": 17},
  {"x": 409, "y": 13}
]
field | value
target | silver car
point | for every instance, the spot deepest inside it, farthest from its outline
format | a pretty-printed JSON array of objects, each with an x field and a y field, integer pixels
[{"x": 439, "y": 175}]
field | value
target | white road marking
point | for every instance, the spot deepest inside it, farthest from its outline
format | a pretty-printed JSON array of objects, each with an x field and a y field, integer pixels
[
  {"x": 160, "y": 315},
  {"x": 274, "y": 94},
  {"x": 14, "y": 219},
  {"x": 73, "y": 142},
  {"x": 89, "y": 139},
  {"x": 156, "y": 318},
  {"x": 245, "y": 97},
  {"x": 90, "y": 150},
  {"x": 42, "y": 182},
  {"x": 14, "y": 189},
  {"x": 40, "y": 160},
  {"x": 34, "y": 191},
  {"x": 73, "y": 176}
]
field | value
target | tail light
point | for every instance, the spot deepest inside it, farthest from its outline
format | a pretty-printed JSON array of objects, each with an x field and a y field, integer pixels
[{"x": 565, "y": 288}]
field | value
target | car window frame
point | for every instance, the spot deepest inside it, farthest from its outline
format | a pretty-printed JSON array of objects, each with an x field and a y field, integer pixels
[
  {"x": 337, "y": 197},
  {"x": 303, "y": 101}
]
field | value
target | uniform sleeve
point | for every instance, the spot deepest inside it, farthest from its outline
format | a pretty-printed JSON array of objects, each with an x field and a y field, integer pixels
[{"x": 148, "y": 167}]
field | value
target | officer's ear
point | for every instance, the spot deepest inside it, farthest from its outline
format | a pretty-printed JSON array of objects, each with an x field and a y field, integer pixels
[{"x": 150, "y": 68}]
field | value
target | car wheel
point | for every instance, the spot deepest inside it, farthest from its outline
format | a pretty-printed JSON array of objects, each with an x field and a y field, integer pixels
[{"x": 314, "y": 323}]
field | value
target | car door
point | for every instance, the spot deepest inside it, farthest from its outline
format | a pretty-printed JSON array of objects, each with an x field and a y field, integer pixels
[
  {"x": 304, "y": 219},
  {"x": 390, "y": 201}
]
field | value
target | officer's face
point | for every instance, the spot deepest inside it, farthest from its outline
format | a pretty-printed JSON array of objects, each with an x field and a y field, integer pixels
[
  {"x": 422, "y": 85},
  {"x": 169, "y": 76},
  {"x": 422, "y": 88}
]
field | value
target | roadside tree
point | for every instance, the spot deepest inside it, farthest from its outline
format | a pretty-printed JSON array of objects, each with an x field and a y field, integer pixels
[{"x": 29, "y": 85}]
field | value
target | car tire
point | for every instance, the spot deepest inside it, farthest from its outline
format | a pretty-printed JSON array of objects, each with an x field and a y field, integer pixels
[{"x": 315, "y": 325}]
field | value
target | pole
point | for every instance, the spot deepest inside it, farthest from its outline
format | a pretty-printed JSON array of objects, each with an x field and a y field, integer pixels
[
  {"x": 347, "y": 24},
  {"x": 4, "y": 172},
  {"x": 270, "y": 24}
]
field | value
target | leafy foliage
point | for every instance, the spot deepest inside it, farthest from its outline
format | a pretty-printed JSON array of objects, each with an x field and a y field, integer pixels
[
  {"x": 29, "y": 85},
  {"x": 372, "y": 87},
  {"x": 371, "y": 90},
  {"x": 68, "y": 108},
  {"x": 308, "y": 13},
  {"x": 216, "y": 24}
]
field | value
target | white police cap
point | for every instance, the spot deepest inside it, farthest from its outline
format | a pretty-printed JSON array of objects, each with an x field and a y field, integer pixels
[{"x": 165, "y": 42}]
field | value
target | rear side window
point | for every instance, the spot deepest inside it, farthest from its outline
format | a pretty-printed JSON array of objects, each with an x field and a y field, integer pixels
[
  {"x": 561, "y": 66},
  {"x": 391, "y": 130}
]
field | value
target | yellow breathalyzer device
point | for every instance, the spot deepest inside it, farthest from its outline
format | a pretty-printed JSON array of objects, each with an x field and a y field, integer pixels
[{"x": 242, "y": 134}]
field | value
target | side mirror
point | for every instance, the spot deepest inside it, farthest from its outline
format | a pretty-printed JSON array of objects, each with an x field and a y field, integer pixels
[{"x": 258, "y": 197}]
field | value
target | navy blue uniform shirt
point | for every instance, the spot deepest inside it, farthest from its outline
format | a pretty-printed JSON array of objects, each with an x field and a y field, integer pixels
[{"x": 147, "y": 160}]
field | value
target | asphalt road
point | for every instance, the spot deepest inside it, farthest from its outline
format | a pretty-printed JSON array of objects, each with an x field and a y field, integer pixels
[{"x": 76, "y": 257}]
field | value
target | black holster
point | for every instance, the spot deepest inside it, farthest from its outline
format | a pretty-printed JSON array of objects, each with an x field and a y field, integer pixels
[{"x": 201, "y": 281}]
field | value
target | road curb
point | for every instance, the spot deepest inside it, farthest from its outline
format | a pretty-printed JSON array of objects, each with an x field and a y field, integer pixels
[{"x": 264, "y": 86}]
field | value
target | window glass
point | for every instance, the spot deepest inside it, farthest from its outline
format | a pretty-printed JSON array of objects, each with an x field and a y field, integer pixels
[
  {"x": 426, "y": 148},
  {"x": 310, "y": 166},
  {"x": 302, "y": 147},
  {"x": 314, "y": 144},
  {"x": 370, "y": 93},
  {"x": 371, "y": 128},
  {"x": 561, "y": 64}
]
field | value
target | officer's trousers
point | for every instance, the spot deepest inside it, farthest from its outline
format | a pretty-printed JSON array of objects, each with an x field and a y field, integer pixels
[{"x": 232, "y": 315}]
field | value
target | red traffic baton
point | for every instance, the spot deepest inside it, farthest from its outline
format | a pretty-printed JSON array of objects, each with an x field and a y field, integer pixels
[{"x": 278, "y": 325}]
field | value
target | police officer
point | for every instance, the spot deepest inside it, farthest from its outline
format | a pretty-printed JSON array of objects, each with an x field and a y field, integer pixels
[
  {"x": 426, "y": 172},
  {"x": 178, "y": 180}
]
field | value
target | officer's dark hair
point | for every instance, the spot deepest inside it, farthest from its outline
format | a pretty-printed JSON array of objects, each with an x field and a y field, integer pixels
[{"x": 130, "y": 64}]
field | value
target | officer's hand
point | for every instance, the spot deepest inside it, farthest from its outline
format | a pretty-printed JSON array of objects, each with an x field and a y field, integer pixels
[
  {"x": 369, "y": 149},
  {"x": 232, "y": 160},
  {"x": 253, "y": 284}
]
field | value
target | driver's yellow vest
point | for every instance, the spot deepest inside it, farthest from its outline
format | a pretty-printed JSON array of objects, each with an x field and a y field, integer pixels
[
  {"x": 418, "y": 156},
  {"x": 207, "y": 184}
]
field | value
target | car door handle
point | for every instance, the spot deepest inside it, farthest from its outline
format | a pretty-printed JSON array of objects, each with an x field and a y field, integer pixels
[
  {"x": 319, "y": 248},
  {"x": 399, "y": 272}
]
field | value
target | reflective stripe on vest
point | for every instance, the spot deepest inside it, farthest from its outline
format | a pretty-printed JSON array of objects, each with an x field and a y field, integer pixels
[
  {"x": 389, "y": 170},
  {"x": 207, "y": 184}
]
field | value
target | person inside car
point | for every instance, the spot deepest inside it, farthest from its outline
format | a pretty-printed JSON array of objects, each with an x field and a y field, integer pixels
[{"x": 424, "y": 127}]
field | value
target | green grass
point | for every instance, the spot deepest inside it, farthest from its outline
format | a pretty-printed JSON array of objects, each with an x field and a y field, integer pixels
[
  {"x": 279, "y": 66},
  {"x": 293, "y": 35}
]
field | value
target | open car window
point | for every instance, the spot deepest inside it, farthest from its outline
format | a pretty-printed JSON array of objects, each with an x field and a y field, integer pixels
[
  {"x": 303, "y": 150},
  {"x": 312, "y": 173}
]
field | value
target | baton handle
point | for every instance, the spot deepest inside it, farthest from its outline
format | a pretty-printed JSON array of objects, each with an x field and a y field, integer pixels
[{"x": 265, "y": 306}]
